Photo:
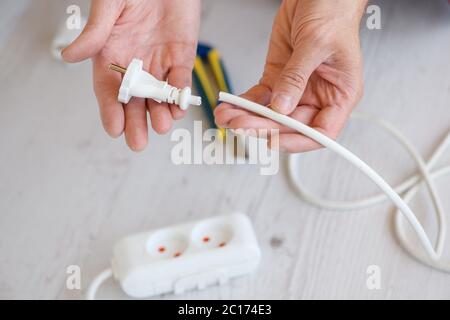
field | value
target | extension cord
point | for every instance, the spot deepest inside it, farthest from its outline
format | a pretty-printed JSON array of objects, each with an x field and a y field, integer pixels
[
  {"x": 183, "y": 257},
  {"x": 410, "y": 187}
]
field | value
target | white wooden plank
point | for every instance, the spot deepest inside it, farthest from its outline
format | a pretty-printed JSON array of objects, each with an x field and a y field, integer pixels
[{"x": 68, "y": 192}]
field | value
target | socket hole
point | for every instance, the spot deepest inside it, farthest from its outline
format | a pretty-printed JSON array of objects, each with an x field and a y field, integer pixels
[
  {"x": 166, "y": 244},
  {"x": 212, "y": 234}
]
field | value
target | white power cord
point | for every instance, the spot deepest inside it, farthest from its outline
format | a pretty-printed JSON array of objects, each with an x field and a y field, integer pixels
[
  {"x": 97, "y": 282},
  {"x": 410, "y": 186}
]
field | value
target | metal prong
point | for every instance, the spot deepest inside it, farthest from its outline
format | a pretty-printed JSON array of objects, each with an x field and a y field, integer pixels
[{"x": 117, "y": 68}]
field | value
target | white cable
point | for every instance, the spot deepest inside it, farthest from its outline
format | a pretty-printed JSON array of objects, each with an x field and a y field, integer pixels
[
  {"x": 410, "y": 186},
  {"x": 97, "y": 282}
]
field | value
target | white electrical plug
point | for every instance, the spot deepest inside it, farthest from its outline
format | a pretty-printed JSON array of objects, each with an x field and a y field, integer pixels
[
  {"x": 139, "y": 83},
  {"x": 183, "y": 257}
]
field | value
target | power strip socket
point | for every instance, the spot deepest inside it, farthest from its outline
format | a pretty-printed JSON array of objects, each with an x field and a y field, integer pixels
[{"x": 186, "y": 257}]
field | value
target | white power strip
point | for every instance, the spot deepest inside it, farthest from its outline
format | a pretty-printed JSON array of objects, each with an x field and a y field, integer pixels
[{"x": 183, "y": 257}]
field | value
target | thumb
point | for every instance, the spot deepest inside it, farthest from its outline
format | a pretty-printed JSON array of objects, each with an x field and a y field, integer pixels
[
  {"x": 102, "y": 17},
  {"x": 291, "y": 83}
]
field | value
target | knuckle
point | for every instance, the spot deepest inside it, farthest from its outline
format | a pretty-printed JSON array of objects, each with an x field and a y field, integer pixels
[
  {"x": 294, "y": 78},
  {"x": 316, "y": 33}
]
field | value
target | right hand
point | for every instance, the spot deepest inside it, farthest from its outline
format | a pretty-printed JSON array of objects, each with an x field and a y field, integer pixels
[
  {"x": 163, "y": 34},
  {"x": 313, "y": 72}
]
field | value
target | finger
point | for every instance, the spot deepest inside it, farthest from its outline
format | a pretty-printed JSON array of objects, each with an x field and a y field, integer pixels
[
  {"x": 106, "y": 87},
  {"x": 136, "y": 129},
  {"x": 179, "y": 77},
  {"x": 295, "y": 143},
  {"x": 328, "y": 121},
  {"x": 226, "y": 112},
  {"x": 102, "y": 17},
  {"x": 304, "y": 114},
  {"x": 259, "y": 94},
  {"x": 256, "y": 123},
  {"x": 160, "y": 116},
  {"x": 289, "y": 86}
]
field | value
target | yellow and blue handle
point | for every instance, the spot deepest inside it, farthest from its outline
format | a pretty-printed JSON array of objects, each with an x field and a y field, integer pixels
[{"x": 211, "y": 56}]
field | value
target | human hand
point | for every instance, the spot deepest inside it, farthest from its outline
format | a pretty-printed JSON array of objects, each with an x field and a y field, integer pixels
[
  {"x": 313, "y": 72},
  {"x": 163, "y": 34}
]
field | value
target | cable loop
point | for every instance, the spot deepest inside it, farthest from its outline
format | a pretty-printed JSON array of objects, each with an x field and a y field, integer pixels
[{"x": 409, "y": 188}]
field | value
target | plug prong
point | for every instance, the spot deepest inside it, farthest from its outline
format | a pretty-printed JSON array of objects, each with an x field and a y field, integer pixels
[{"x": 117, "y": 68}]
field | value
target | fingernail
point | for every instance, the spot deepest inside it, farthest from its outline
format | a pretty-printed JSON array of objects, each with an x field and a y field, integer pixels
[
  {"x": 282, "y": 103},
  {"x": 62, "y": 52}
]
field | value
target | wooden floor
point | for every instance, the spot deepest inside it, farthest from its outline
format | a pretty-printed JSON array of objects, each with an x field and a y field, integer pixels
[{"x": 68, "y": 192}]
